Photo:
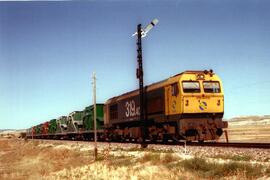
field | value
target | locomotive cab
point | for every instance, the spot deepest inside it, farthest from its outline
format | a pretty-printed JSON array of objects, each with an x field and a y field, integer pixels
[
  {"x": 196, "y": 99},
  {"x": 202, "y": 105},
  {"x": 202, "y": 93},
  {"x": 61, "y": 124},
  {"x": 75, "y": 121}
]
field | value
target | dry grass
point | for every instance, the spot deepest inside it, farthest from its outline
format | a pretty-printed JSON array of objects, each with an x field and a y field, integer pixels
[
  {"x": 152, "y": 166},
  {"x": 233, "y": 157},
  {"x": 203, "y": 168},
  {"x": 21, "y": 159},
  {"x": 44, "y": 160}
]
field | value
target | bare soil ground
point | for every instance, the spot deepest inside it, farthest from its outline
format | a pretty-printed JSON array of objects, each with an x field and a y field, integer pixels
[{"x": 249, "y": 129}]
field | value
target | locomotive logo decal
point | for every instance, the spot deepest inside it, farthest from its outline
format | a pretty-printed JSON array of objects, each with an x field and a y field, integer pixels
[{"x": 203, "y": 105}]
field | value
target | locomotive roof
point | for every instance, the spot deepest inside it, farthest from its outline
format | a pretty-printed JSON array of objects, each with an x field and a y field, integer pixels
[
  {"x": 195, "y": 72},
  {"x": 98, "y": 104}
]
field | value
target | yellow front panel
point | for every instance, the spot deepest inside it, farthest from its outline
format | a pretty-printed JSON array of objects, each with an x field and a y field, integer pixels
[
  {"x": 190, "y": 105},
  {"x": 202, "y": 102},
  {"x": 199, "y": 104},
  {"x": 214, "y": 104}
]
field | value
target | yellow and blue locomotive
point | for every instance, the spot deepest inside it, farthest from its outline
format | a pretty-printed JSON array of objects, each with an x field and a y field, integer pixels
[{"x": 189, "y": 106}]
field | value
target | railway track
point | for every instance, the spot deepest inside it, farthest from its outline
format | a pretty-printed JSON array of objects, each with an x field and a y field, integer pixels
[
  {"x": 236, "y": 145},
  {"x": 211, "y": 144}
]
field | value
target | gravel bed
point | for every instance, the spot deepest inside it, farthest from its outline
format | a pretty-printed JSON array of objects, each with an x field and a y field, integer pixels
[{"x": 239, "y": 154}]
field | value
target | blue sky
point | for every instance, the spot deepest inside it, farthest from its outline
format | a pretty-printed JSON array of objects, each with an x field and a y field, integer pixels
[{"x": 48, "y": 51}]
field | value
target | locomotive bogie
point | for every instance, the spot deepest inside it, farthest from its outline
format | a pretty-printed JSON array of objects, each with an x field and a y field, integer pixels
[{"x": 201, "y": 129}]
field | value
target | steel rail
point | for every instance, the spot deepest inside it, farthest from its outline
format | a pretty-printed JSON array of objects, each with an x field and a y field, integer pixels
[
  {"x": 181, "y": 143},
  {"x": 233, "y": 144}
]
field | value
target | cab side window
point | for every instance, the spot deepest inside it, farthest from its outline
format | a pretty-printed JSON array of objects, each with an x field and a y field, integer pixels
[{"x": 174, "y": 89}]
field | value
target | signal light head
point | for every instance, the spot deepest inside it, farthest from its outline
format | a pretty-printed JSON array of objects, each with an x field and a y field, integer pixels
[{"x": 200, "y": 76}]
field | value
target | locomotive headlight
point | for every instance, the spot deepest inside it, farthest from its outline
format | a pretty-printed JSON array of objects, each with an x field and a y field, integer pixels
[{"x": 200, "y": 76}]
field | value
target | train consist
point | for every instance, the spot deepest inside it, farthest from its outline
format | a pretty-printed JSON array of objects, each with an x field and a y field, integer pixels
[{"x": 188, "y": 106}]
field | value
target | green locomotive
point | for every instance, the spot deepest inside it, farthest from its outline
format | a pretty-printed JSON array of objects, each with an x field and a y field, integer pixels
[{"x": 77, "y": 125}]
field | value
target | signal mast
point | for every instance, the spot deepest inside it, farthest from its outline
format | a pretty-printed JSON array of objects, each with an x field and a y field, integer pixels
[{"x": 139, "y": 74}]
